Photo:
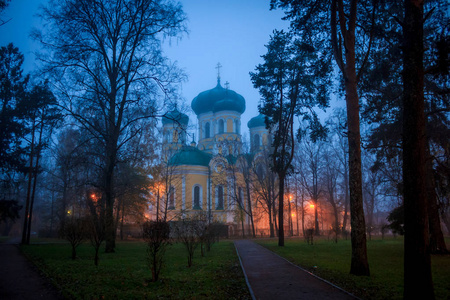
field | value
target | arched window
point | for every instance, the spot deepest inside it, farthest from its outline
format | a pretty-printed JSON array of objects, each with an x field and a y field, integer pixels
[
  {"x": 207, "y": 130},
  {"x": 237, "y": 127},
  {"x": 221, "y": 126},
  {"x": 256, "y": 141},
  {"x": 219, "y": 197},
  {"x": 172, "y": 198},
  {"x": 196, "y": 197},
  {"x": 260, "y": 171}
]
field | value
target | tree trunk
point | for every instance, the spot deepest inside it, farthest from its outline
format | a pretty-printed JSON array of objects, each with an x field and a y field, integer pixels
[
  {"x": 417, "y": 262},
  {"x": 359, "y": 262},
  {"x": 241, "y": 214},
  {"x": 437, "y": 241},
  {"x": 344, "y": 221},
  {"x": 250, "y": 211},
  {"x": 30, "y": 177},
  {"x": 271, "y": 231},
  {"x": 35, "y": 174},
  {"x": 110, "y": 232},
  {"x": 446, "y": 221},
  {"x": 316, "y": 218},
  {"x": 274, "y": 216},
  {"x": 122, "y": 220},
  {"x": 303, "y": 214},
  {"x": 281, "y": 210}
]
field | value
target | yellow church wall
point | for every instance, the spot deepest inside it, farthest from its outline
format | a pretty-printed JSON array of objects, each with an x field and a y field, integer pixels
[{"x": 191, "y": 181}]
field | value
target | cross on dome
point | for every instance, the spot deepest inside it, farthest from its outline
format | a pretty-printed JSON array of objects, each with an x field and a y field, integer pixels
[{"x": 218, "y": 72}]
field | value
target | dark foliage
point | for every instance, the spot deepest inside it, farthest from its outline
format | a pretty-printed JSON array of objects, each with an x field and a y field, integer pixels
[
  {"x": 9, "y": 213},
  {"x": 396, "y": 220}
]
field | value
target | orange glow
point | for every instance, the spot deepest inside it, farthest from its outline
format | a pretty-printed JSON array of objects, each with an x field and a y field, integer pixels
[
  {"x": 311, "y": 205},
  {"x": 293, "y": 215},
  {"x": 94, "y": 197}
]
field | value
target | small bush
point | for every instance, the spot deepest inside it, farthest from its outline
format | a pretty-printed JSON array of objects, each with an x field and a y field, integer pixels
[
  {"x": 157, "y": 236},
  {"x": 74, "y": 231},
  {"x": 309, "y": 235}
]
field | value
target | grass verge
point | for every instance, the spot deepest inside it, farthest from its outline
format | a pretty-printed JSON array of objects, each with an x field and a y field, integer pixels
[
  {"x": 125, "y": 274},
  {"x": 331, "y": 262}
]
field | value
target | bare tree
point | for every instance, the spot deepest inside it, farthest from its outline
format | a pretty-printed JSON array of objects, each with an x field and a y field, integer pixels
[
  {"x": 74, "y": 230},
  {"x": 264, "y": 187},
  {"x": 312, "y": 169},
  {"x": 157, "y": 236},
  {"x": 108, "y": 67},
  {"x": 188, "y": 229},
  {"x": 42, "y": 117},
  {"x": 3, "y": 5},
  {"x": 330, "y": 178}
]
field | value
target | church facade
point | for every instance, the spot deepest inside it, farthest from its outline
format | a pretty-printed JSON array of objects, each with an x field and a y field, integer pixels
[{"x": 209, "y": 176}]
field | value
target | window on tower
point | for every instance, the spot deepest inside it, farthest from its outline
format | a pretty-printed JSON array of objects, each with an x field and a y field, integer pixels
[
  {"x": 257, "y": 141},
  {"x": 221, "y": 126},
  {"x": 207, "y": 130}
]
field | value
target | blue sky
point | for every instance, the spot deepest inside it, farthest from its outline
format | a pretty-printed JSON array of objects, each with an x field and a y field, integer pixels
[{"x": 232, "y": 32}]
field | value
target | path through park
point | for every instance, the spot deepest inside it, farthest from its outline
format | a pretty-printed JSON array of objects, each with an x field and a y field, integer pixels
[
  {"x": 19, "y": 279},
  {"x": 270, "y": 276}
]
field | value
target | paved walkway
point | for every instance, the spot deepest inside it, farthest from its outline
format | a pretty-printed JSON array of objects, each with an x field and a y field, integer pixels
[
  {"x": 271, "y": 277},
  {"x": 19, "y": 279}
]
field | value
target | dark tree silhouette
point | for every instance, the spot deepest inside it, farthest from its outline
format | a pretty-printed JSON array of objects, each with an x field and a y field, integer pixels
[
  {"x": 108, "y": 65},
  {"x": 348, "y": 26},
  {"x": 290, "y": 86}
]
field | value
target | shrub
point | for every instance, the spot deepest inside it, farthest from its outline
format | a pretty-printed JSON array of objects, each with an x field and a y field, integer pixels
[
  {"x": 157, "y": 236},
  {"x": 74, "y": 230}
]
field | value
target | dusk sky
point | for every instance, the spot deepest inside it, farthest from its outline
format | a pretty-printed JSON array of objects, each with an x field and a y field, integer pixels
[{"x": 232, "y": 32}]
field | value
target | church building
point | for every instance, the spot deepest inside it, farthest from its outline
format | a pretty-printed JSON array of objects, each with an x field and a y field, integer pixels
[{"x": 208, "y": 175}]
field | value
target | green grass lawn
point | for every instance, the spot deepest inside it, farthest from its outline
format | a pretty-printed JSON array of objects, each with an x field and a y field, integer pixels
[
  {"x": 332, "y": 262},
  {"x": 125, "y": 274}
]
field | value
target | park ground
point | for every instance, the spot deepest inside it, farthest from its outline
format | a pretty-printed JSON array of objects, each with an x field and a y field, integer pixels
[{"x": 218, "y": 275}]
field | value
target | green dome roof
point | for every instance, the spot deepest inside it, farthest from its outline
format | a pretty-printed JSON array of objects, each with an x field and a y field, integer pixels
[
  {"x": 190, "y": 156},
  {"x": 175, "y": 116},
  {"x": 257, "y": 121},
  {"x": 218, "y": 99}
]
